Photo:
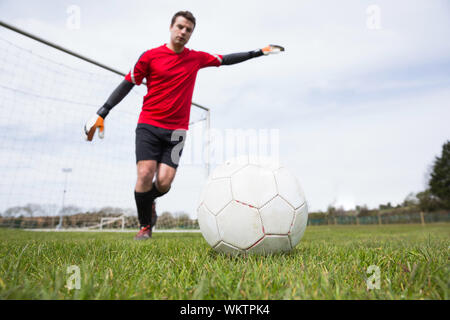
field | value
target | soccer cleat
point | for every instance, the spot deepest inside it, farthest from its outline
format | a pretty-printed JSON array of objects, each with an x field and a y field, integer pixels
[{"x": 144, "y": 234}]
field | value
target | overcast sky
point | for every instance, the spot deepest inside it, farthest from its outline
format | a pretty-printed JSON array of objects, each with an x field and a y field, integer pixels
[{"x": 360, "y": 97}]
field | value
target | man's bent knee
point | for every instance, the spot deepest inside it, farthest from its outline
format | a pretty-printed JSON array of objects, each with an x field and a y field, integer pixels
[
  {"x": 165, "y": 177},
  {"x": 163, "y": 185}
]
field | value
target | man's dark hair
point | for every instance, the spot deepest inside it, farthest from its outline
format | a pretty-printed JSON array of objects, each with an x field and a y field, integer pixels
[{"x": 186, "y": 14}]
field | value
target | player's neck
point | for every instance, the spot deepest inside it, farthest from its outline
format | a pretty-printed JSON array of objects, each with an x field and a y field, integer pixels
[{"x": 174, "y": 48}]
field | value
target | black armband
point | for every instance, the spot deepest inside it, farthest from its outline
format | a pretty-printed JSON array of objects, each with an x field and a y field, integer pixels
[
  {"x": 118, "y": 94},
  {"x": 233, "y": 58}
]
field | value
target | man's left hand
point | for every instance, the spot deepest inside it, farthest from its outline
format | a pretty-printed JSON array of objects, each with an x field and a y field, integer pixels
[{"x": 272, "y": 49}]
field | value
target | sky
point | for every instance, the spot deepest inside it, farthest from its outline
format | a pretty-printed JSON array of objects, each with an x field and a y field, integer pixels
[{"x": 359, "y": 102}]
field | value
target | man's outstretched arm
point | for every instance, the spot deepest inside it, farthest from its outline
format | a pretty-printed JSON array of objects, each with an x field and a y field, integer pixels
[
  {"x": 118, "y": 94},
  {"x": 97, "y": 120},
  {"x": 234, "y": 58}
]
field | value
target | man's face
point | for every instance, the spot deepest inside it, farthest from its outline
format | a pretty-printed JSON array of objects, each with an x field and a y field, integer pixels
[{"x": 181, "y": 31}]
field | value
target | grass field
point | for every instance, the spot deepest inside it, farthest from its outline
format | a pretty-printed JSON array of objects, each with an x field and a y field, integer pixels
[{"x": 329, "y": 263}]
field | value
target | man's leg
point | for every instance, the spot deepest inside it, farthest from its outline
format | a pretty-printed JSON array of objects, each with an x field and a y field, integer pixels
[
  {"x": 155, "y": 143},
  {"x": 143, "y": 195},
  {"x": 164, "y": 177},
  {"x": 147, "y": 191},
  {"x": 170, "y": 158}
]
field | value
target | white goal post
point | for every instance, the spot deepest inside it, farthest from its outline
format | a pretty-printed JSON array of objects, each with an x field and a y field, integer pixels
[{"x": 106, "y": 221}]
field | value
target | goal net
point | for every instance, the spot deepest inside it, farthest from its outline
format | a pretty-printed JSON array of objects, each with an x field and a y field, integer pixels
[{"x": 49, "y": 174}]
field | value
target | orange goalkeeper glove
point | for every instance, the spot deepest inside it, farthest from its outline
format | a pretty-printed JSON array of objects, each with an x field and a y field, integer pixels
[
  {"x": 271, "y": 49},
  {"x": 91, "y": 126}
]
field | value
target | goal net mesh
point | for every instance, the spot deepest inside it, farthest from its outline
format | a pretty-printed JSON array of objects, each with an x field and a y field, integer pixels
[{"x": 48, "y": 170}]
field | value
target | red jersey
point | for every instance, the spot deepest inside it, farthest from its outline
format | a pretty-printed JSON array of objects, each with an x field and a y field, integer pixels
[{"x": 170, "y": 84}]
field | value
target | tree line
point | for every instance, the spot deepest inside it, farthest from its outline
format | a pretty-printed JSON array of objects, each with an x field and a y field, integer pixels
[{"x": 435, "y": 198}]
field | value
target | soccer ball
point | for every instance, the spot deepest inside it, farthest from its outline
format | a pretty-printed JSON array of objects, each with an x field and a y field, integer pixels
[{"x": 252, "y": 205}]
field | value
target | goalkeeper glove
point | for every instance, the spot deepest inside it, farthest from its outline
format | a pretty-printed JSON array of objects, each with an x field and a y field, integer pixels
[
  {"x": 91, "y": 126},
  {"x": 271, "y": 49}
]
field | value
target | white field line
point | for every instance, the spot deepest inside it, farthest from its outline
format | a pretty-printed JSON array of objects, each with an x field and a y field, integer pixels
[{"x": 112, "y": 230}]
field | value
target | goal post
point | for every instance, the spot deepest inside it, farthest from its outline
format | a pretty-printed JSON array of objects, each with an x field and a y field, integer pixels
[
  {"x": 108, "y": 220},
  {"x": 47, "y": 92}
]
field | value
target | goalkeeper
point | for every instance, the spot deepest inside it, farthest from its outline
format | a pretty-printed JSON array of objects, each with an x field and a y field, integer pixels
[{"x": 170, "y": 71}]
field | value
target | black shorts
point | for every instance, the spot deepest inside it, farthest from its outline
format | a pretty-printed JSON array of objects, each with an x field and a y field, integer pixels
[{"x": 162, "y": 145}]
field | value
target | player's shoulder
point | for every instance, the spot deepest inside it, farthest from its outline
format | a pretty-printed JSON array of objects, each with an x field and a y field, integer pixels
[
  {"x": 153, "y": 51},
  {"x": 160, "y": 48},
  {"x": 203, "y": 55},
  {"x": 198, "y": 53}
]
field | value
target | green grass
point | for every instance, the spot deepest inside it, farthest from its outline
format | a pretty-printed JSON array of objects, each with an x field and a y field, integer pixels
[{"x": 329, "y": 263}]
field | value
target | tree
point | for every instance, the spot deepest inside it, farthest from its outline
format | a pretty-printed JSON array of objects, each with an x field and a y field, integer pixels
[
  {"x": 362, "y": 211},
  {"x": 108, "y": 211},
  {"x": 427, "y": 201},
  {"x": 28, "y": 210},
  {"x": 166, "y": 221},
  {"x": 385, "y": 206},
  {"x": 35, "y": 209},
  {"x": 331, "y": 211},
  {"x": 440, "y": 176},
  {"x": 410, "y": 200},
  {"x": 182, "y": 219},
  {"x": 70, "y": 210},
  {"x": 17, "y": 211},
  {"x": 340, "y": 211}
]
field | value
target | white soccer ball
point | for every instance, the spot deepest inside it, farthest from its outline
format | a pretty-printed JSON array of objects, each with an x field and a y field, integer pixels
[{"x": 252, "y": 206}]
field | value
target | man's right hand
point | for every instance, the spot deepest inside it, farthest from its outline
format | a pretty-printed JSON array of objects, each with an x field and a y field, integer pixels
[{"x": 91, "y": 126}]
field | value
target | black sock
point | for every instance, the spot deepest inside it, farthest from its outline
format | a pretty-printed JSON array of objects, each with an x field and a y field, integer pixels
[
  {"x": 144, "y": 201},
  {"x": 154, "y": 217},
  {"x": 155, "y": 193},
  {"x": 144, "y": 207}
]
